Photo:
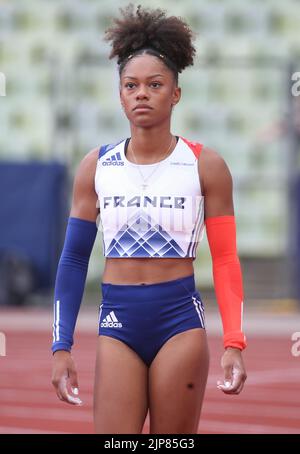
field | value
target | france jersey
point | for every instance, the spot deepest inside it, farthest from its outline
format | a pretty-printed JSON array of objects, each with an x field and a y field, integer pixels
[{"x": 150, "y": 210}]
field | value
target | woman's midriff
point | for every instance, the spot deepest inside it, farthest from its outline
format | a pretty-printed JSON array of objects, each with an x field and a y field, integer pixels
[{"x": 130, "y": 271}]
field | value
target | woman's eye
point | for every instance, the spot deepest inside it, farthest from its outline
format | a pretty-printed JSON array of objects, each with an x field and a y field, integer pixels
[{"x": 131, "y": 85}]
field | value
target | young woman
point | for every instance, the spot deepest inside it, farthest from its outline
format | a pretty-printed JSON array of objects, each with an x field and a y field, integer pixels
[{"x": 156, "y": 192}]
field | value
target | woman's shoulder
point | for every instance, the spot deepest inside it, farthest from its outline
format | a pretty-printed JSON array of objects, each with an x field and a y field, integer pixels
[
  {"x": 209, "y": 155},
  {"x": 213, "y": 168},
  {"x": 89, "y": 159},
  {"x": 212, "y": 159},
  {"x": 91, "y": 156},
  {"x": 87, "y": 166}
]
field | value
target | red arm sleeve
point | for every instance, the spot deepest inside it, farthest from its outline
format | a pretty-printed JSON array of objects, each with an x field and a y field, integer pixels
[{"x": 227, "y": 275}]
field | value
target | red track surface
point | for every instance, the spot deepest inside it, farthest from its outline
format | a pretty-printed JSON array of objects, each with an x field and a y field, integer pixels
[{"x": 270, "y": 402}]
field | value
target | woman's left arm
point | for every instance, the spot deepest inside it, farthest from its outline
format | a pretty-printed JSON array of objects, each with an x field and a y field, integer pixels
[{"x": 217, "y": 188}]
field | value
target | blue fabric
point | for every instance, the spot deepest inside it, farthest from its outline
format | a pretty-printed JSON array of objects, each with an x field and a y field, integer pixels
[
  {"x": 105, "y": 148},
  {"x": 70, "y": 280},
  {"x": 33, "y": 198},
  {"x": 145, "y": 316}
]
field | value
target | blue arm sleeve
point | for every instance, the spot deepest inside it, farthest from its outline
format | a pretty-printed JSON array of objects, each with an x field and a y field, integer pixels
[{"x": 70, "y": 280}]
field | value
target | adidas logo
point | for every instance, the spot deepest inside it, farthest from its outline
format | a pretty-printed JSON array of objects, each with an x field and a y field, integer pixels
[
  {"x": 114, "y": 160},
  {"x": 111, "y": 321}
]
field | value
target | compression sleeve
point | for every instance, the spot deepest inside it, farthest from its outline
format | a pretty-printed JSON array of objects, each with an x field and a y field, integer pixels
[
  {"x": 70, "y": 280},
  {"x": 227, "y": 275}
]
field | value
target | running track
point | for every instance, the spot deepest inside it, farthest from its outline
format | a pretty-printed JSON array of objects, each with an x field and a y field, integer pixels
[{"x": 270, "y": 402}]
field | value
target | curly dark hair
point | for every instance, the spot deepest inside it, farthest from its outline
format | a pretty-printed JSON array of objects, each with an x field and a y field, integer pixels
[{"x": 150, "y": 31}]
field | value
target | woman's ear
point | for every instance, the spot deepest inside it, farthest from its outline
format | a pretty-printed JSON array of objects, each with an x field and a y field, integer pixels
[
  {"x": 122, "y": 105},
  {"x": 176, "y": 96}
]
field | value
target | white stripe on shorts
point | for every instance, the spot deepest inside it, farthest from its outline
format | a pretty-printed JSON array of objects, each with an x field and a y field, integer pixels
[
  {"x": 199, "y": 310},
  {"x": 100, "y": 312}
]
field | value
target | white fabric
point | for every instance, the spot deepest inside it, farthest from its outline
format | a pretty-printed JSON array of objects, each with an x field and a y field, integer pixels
[{"x": 164, "y": 220}]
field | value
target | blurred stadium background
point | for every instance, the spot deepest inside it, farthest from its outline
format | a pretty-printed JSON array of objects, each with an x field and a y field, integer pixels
[{"x": 62, "y": 100}]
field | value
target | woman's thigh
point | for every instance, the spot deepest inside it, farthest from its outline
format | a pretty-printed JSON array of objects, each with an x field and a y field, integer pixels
[
  {"x": 120, "y": 388},
  {"x": 177, "y": 381}
]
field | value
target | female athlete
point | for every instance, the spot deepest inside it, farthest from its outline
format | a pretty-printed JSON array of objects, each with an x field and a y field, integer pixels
[{"x": 156, "y": 192}]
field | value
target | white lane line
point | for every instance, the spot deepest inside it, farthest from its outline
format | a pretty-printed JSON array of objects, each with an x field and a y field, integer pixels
[
  {"x": 23, "y": 430},
  {"x": 259, "y": 411},
  {"x": 46, "y": 414},
  {"x": 264, "y": 377},
  {"x": 216, "y": 426},
  {"x": 43, "y": 398}
]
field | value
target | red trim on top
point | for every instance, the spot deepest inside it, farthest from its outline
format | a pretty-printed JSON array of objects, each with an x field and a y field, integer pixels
[{"x": 194, "y": 146}]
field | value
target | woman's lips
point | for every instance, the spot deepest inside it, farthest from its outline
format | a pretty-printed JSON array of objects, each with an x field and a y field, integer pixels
[
  {"x": 142, "y": 110},
  {"x": 143, "y": 107}
]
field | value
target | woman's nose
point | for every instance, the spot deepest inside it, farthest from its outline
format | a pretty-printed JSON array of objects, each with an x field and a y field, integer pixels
[{"x": 142, "y": 92}]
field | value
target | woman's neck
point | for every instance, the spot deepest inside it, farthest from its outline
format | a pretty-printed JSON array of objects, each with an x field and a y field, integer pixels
[{"x": 149, "y": 147}]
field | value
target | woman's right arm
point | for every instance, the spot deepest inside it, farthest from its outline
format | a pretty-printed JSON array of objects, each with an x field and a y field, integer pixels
[{"x": 71, "y": 275}]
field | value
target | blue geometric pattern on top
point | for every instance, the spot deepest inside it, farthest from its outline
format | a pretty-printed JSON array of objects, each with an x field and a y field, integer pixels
[
  {"x": 143, "y": 237},
  {"x": 105, "y": 148}
]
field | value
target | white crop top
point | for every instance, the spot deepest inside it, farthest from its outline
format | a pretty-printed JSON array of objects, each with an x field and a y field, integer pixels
[{"x": 150, "y": 210}]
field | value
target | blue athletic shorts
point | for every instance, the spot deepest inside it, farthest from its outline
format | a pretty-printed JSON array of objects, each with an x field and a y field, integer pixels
[{"x": 145, "y": 316}]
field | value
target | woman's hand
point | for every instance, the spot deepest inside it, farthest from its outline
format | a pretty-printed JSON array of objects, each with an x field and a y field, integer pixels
[
  {"x": 234, "y": 371},
  {"x": 64, "y": 373}
]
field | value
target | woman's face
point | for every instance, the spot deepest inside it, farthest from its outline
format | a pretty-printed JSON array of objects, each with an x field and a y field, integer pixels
[{"x": 147, "y": 81}]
